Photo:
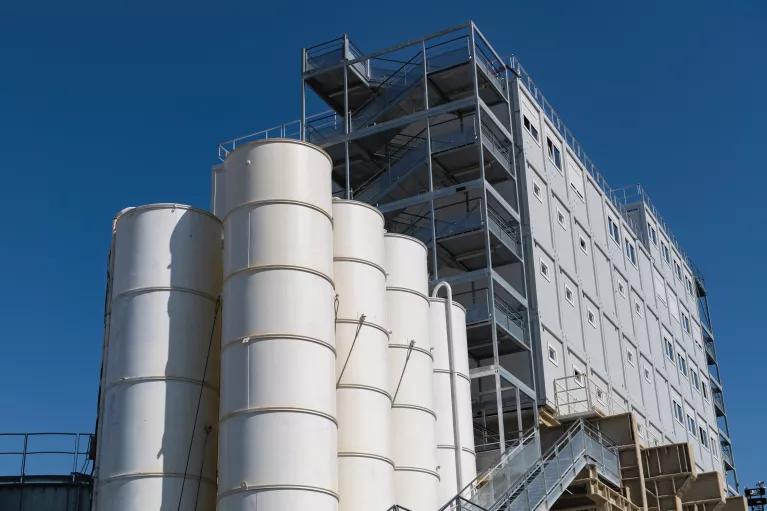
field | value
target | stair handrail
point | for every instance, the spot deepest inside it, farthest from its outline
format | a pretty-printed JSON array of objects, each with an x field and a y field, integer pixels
[
  {"x": 528, "y": 476},
  {"x": 480, "y": 481}
]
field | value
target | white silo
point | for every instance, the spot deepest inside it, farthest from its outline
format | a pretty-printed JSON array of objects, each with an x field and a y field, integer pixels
[
  {"x": 278, "y": 433},
  {"x": 365, "y": 466},
  {"x": 411, "y": 364},
  {"x": 448, "y": 389},
  {"x": 160, "y": 365}
]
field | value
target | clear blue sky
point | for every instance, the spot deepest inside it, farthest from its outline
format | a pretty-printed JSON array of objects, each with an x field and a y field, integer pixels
[{"x": 102, "y": 108}]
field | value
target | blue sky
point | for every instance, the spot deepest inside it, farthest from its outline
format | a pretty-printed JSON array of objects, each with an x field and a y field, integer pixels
[{"x": 105, "y": 107}]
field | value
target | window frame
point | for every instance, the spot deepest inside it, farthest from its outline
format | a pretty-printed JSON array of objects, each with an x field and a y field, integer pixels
[
  {"x": 554, "y": 153},
  {"x": 555, "y": 359},
  {"x": 539, "y": 194},
  {"x": 561, "y": 219},
  {"x": 591, "y": 316},
  {"x": 682, "y": 364},
  {"x": 614, "y": 230},
  {"x": 652, "y": 234},
  {"x": 544, "y": 269},
  {"x": 677, "y": 411},
  {"x": 569, "y": 290},
  {"x": 530, "y": 128},
  {"x": 583, "y": 244},
  {"x": 668, "y": 349},
  {"x": 631, "y": 251},
  {"x": 630, "y": 357}
]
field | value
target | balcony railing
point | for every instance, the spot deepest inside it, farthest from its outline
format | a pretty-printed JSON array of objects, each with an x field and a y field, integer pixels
[{"x": 581, "y": 395}]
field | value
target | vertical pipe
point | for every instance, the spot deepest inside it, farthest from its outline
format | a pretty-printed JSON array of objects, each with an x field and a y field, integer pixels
[
  {"x": 451, "y": 365},
  {"x": 429, "y": 162},
  {"x": 347, "y": 121},
  {"x": 302, "y": 125}
]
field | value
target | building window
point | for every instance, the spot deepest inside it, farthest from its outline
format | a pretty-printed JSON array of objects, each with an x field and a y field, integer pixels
[
  {"x": 630, "y": 357},
  {"x": 686, "y": 323},
  {"x": 677, "y": 270},
  {"x": 695, "y": 379},
  {"x": 554, "y": 154},
  {"x": 592, "y": 317},
  {"x": 530, "y": 127},
  {"x": 631, "y": 252},
  {"x": 688, "y": 285},
  {"x": 713, "y": 447},
  {"x": 569, "y": 295},
  {"x": 578, "y": 376},
  {"x": 691, "y": 424},
  {"x": 615, "y": 232},
  {"x": 681, "y": 362},
  {"x": 537, "y": 192},
  {"x": 584, "y": 246},
  {"x": 668, "y": 348},
  {"x": 647, "y": 375},
  {"x": 703, "y": 436},
  {"x": 664, "y": 251},
  {"x": 621, "y": 288},
  {"x": 600, "y": 395},
  {"x": 561, "y": 219},
  {"x": 678, "y": 414},
  {"x": 704, "y": 390},
  {"x": 553, "y": 357},
  {"x": 652, "y": 234},
  {"x": 545, "y": 270},
  {"x": 638, "y": 309}
]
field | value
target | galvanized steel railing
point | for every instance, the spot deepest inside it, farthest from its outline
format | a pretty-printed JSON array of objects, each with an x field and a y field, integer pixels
[
  {"x": 27, "y": 455},
  {"x": 503, "y": 489}
]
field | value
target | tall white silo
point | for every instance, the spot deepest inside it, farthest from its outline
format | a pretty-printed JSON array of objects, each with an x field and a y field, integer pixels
[
  {"x": 411, "y": 364},
  {"x": 365, "y": 466},
  {"x": 160, "y": 366},
  {"x": 449, "y": 484},
  {"x": 278, "y": 433}
]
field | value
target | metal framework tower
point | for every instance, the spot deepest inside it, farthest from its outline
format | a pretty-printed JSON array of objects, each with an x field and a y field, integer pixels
[{"x": 423, "y": 130}]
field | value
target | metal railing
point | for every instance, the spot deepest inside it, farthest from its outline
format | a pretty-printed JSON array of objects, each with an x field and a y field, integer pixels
[
  {"x": 288, "y": 130},
  {"x": 616, "y": 195},
  {"x": 633, "y": 194},
  {"x": 580, "y": 395},
  {"x": 503, "y": 488},
  {"x": 27, "y": 455}
]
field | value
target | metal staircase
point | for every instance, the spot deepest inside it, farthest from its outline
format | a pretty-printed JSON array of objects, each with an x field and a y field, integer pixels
[
  {"x": 392, "y": 91},
  {"x": 509, "y": 487}
]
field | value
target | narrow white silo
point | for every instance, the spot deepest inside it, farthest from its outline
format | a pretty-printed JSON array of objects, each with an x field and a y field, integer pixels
[
  {"x": 365, "y": 466},
  {"x": 278, "y": 433},
  {"x": 411, "y": 367},
  {"x": 160, "y": 366},
  {"x": 447, "y": 415}
]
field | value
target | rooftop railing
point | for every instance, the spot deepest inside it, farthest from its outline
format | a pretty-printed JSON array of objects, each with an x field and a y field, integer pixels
[
  {"x": 342, "y": 49},
  {"x": 25, "y": 456},
  {"x": 620, "y": 197},
  {"x": 636, "y": 193}
]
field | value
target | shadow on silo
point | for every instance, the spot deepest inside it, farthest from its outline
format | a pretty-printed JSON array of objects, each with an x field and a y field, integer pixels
[{"x": 189, "y": 443}]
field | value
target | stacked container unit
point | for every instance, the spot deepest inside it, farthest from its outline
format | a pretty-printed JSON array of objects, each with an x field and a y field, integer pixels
[
  {"x": 278, "y": 432},
  {"x": 365, "y": 466},
  {"x": 411, "y": 366},
  {"x": 452, "y": 398},
  {"x": 158, "y": 411}
]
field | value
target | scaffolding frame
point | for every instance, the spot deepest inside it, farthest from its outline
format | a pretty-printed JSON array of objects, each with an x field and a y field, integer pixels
[{"x": 398, "y": 119}]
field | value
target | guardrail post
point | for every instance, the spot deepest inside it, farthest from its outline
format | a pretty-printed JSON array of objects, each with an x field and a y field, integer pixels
[{"x": 24, "y": 456}]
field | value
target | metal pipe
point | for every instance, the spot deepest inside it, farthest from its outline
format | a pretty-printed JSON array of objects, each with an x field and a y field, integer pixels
[{"x": 453, "y": 392}]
